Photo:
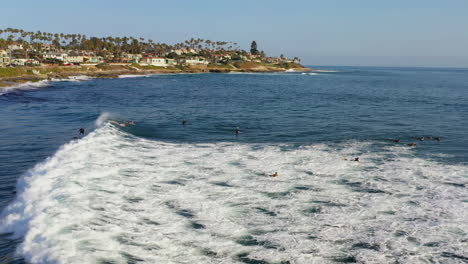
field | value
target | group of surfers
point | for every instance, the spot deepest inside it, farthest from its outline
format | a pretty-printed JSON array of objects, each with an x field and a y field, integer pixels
[{"x": 237, "y": 132}]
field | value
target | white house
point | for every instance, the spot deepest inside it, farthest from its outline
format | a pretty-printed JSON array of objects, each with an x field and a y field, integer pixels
[
  {"x": 196, "y": 61},
  {"x": 15, "y": 46},
  {"x": 157, "y": 61},
  {"x": 133, "y": 57},
  {"x": 55, "y": 55},
  {"x": 74, "y": 59},
  {"x": 4, "y": 58},
  {"x": 93, "y": 59},
  {"x": 183, "y": 51},
  {"x": 25, "y": 62}
]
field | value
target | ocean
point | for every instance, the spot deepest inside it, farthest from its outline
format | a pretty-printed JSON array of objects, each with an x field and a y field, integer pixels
[{"x": 159, "y": 191}]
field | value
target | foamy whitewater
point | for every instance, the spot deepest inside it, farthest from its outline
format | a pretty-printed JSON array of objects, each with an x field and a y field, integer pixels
[
  {"x": 112, "y": 197},
  {"x": 167, "y": 191},
  {"x": 41, "y": 84}
]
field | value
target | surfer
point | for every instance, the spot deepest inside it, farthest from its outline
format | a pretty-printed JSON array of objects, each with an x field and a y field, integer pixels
[
  {"x": 184, "y": 122},
  {"x": 438, "y": 138},
  {"x": 393, "y": 140},
  {"x": 274, "y": 174},
  {"x": 422, "y": 138},
  {"x": 82, "y": 131},
  {"x": 237, "y": 131},
  {"x": 411, "y": 144},
  {"x": 117, "y": 123}
]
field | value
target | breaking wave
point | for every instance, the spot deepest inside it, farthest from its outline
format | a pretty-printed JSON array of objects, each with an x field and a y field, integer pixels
[
  {"x": 41, "y": 84},
  {"x": 24, "y": 87},
  {"x": 112, "y": 197}
]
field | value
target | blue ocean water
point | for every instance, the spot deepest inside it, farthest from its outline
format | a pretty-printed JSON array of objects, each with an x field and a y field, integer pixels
[{"x": 203, "y": 192}]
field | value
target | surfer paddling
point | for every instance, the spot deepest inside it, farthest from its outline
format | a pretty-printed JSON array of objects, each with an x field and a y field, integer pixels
[
  {"x": 355, "y": 159},
  {"x": 237, "y": 131},
  {"x": 124, "y": 123}
]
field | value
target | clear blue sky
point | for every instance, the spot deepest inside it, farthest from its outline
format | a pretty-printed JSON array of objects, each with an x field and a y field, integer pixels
[{"x": 326, "y": 32}]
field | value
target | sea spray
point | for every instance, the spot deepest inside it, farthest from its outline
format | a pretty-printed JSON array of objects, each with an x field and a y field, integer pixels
[{"x": 103, "y": 117}]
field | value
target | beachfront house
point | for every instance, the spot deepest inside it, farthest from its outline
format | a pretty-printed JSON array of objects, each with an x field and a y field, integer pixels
[
  {"x": 157, "y": 61},
  {"x": 220, "y": 58},
  {"x": 133, "y": 58},
  {"x": 15, "y": 46},
  {"x": 55, "y": 55},
  {"x": 4, "y": 58},
  {"x": 74, "y": 59},
  {"x": 183, "y": 51},
  {"x": 93, "y": 59},
  {"x": 25, "y": 62},
  {"x": 195, "y": 61}
]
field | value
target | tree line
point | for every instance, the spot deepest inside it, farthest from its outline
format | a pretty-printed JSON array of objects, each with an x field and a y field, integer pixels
[{"x": 115, "y": 45}]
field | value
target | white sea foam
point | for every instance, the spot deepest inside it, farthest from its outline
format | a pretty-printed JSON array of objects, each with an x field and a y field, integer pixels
[
  {"x": 310, "y": 73},
  {"x": 24, "y": 86},
  {"x": 326, "y": 71},
  {"x": 40, "y": 84},
  {"x": 137, "y": 75},
  {"x": 114, "y": 197},
  {"x": 103, "y": 117},
  {"x": 79, "y": 78}
]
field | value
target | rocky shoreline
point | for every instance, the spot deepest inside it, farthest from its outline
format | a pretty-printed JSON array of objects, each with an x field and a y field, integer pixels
[{"x": 36, "y": 74}]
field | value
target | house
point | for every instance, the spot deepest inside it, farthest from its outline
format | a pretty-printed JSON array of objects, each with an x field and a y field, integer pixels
[
  {"x": 132, "y": 57},
  {"x": 74, "y": 59},
  {"x": 25, "y": 62},
  {"x": 272, "y": 60},
  {"x": 220, "y": 58},
  {"x": 157, "y": 61},
  {"x": 48, "y": 47},
  {"x": 15, "y": 46},
  {"x": 195, "y": 61},
  {"x": 184, "y": 51},
  {"x": 4, "y": 58},
  {"x": 93, "y": 59},
  {"x": 55, "y": 55}
]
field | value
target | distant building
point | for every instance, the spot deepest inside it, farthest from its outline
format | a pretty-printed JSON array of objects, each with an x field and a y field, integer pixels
[
  {"x": 48, "y": 48},
  {"x": 195, "y": 61},
  {"x": 157, "y": 61},
  {"x": 184, "y": 51},
  {"x": 133, "y": 58},
  {"x": 15, "y": 46},
  {"x": 93, "y": 59},
  {"x": 55, "y": 55},
  {"x": 220, "y": 58},
  {"x": 4, "y": 58},
  {"x": 74, "y": 59},
  {"x": 25, "y": 62}
]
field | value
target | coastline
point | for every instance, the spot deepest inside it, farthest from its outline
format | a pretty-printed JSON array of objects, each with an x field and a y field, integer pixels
[{"x": 30, "y": 75}]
